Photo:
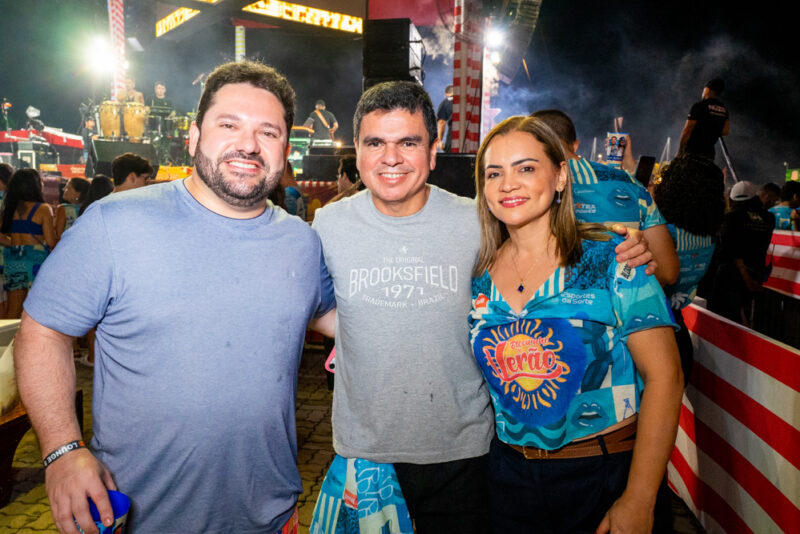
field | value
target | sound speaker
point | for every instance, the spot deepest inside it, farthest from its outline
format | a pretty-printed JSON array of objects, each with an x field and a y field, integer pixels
[
  {"x": 106, "y": 151},
  {"x": 322, "y": 167},
  {"x": 393, "y": 50},
  {"x": 455, "y": 173}
]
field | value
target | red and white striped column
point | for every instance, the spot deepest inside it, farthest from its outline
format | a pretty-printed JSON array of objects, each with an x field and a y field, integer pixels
[
  {"x": 467, "y": 77},
  {"x": 116, "y": 22}
]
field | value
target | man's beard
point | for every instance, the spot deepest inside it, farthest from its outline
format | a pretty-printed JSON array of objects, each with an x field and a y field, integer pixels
[{"x": 231, "y": 191}]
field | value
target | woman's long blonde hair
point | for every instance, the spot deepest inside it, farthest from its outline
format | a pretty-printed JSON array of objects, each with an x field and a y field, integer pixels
[{"x": 563, "y": 224}]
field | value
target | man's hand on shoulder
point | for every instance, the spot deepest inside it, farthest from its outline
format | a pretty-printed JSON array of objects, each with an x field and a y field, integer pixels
[
  {"x": 635, "y": 250},
  {"x": 70, "y": 481}
]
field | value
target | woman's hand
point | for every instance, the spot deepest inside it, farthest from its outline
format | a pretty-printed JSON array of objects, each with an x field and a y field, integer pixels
[{"x": 627, "y": 515}]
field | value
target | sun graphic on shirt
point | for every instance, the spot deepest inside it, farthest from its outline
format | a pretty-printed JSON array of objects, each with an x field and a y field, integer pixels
[{"x": 525, "y": 358}]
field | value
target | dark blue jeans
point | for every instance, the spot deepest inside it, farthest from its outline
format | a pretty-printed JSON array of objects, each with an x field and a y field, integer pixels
[
  {"x": 557, "y": 496},
  {"x": 447, "y": 497}
]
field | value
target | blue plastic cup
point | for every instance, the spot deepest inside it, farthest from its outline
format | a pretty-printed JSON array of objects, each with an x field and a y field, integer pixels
[{"x": 120, "y": 504}]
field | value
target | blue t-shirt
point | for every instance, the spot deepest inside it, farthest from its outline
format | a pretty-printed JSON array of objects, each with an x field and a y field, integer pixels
[
  {"x": 200, "y": 327},
  {"x": 71, "y": 212},
  {"x": 783, "y": 217},
  {"x": 295, "y": 203},
  {"x": 694, "y": 253},
  {"x": 560, "y": 370},
  {"x": 606, "y": 195}
]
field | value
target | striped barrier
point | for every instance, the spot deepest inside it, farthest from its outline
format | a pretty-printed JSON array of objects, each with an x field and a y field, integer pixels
[{"x": 736, "y": 461}]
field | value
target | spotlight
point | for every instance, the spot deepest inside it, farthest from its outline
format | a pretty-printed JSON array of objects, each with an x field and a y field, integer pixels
[
  {"x": 495, "y": 57},
  {"x": 495, "y": 38},
  {"x": 100, "y": 56}
]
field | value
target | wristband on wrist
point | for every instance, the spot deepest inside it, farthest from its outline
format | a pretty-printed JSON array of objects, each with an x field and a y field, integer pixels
[{"x": 62, "y": 450}]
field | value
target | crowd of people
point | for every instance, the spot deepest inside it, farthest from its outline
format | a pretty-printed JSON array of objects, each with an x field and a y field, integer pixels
[
  {"x": 31, "y": 229},
  {"x": 508, "y": 363}
]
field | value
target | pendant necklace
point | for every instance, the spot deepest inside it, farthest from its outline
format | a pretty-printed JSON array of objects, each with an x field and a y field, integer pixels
[{"x": 521, "y": 286}]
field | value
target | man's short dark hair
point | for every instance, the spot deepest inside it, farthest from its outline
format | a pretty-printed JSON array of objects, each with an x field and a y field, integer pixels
[
  {"x": 560, "y": 123},
  {"x": 716, "y": 85},
  {"x": 398, "y": 95},
  {"x": 790, "y": 190},
  {"x": 348, "y": 164},
  {"x": 448, "y": 89},
  {"x": 691, "y": 195},
  {"x": 255, "y": 74},
  {"x": 127, "y": 163},
  {"x": 6, "y": 170},
  {"x": 159, "y": 82},
  {"x": 771, "y": 187}
]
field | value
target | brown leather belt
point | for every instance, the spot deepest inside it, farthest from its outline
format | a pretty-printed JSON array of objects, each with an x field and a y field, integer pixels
[{"x": 611, "y": 443}]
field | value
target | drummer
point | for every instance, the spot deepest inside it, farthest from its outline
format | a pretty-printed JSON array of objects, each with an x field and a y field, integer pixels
[
  {"x": 159, "y": 105},
  {"x": 130, "y": 94}
]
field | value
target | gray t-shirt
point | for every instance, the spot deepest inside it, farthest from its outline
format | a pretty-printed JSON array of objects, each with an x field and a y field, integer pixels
[{"x": 407, "y": 387}]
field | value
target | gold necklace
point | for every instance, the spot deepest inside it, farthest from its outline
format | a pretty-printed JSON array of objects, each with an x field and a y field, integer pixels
[{"x": 521, "y": 286}]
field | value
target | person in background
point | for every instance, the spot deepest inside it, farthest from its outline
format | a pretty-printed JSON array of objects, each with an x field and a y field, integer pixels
[
  {"x": 130, "y": 171},
  {"x": 67, "y": 212},
  {"x": 100, "y": 187},
  {"x": 786, "y": 214},
  {"x": 27, "y": 234},
  {"x": 6, "y": 170},
  {"x": 744, "y": 239},
  {"x": 769, "y": 194},
  {"x": 603, "y": 194},
  {"x": 348, "y": 179},
  {"x": 576, "y": 348},
  {"x": 130, "y": 94},
  {"x": 322, "y": 122},
  {"x": 294, "y": 200},
  {"x": 444, "y": 120},
  {"x": 689, "y": 193},
  {"x": 89, "y": 134},
  {"x": 708, "y": 121}
]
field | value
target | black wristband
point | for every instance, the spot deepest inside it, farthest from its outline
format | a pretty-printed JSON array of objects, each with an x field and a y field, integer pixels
[{"x": 62, "y": 450}]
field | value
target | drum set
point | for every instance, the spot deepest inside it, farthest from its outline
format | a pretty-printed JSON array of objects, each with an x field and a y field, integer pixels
[{"x": 134, "y": 122}]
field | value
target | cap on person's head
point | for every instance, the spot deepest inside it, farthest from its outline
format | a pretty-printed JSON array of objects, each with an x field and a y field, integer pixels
[
  {"x": 321, "y": 102},
  {"x": 743, "y": 190},
  {"x": 716, "y": 85}
]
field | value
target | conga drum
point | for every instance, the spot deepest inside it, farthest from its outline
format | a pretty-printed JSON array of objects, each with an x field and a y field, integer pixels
[
  {"x": 135, "y": 120},
  {"x": 182, "y": 124},
  {"x": 110, "y": 119}
]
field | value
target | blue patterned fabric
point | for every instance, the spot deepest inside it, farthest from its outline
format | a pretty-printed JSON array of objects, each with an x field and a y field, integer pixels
[
  {"x": 359, "y": 496},
  {"x": 783, "y": 217},
  {"x": 560, "y": 370},
  {"x": 695, "y": 254},
  {"x": 603, "y": 194}
]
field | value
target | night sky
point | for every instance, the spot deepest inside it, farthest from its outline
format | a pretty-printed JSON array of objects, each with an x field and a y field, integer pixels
[{"x": 595, "y": 60}]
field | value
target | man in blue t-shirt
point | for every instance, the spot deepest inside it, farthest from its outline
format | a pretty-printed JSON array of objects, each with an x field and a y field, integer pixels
[
  {"x": 605, "y": 195},
  {"x": 200, "y": 292},
  {"x": 785, "y": 212}
]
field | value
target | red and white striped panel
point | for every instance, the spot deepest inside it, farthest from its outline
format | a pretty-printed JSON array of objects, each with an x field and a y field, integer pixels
[
  {"x": 467, "y": 76},
  {"x": 736, "y": 461},
  {"x": 116, "y": 22},
  {"x": 784, "y": 253}
]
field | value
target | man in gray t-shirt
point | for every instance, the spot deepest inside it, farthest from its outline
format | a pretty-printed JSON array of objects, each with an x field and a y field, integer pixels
[{"x": 407, "y": 390}]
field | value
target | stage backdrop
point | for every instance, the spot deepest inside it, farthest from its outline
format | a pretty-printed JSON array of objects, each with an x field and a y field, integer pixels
[{"x": 736, "y": 462}]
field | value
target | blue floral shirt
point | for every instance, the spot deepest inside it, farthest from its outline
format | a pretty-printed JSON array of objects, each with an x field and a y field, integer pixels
[{"x": 560, "y": 369}]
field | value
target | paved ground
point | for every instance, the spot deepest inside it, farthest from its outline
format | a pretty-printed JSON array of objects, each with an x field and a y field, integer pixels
[{"x": 29, "y": 511}]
